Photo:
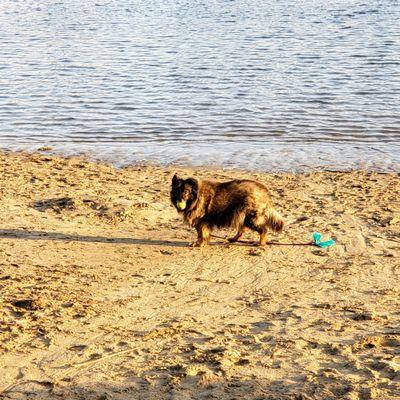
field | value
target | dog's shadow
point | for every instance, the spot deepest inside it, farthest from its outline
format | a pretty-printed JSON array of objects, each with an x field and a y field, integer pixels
[{"x": 43, "y": 235}]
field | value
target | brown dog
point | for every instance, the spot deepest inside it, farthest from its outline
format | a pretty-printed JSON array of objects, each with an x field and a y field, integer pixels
[{"x": 239, "y": 203}]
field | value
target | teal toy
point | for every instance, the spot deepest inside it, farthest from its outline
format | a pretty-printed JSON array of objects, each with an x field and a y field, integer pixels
[{"x": 317, "y": 241}]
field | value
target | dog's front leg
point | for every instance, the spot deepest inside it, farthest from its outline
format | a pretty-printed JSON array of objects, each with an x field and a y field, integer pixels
[{"x": 203, "y": 234}]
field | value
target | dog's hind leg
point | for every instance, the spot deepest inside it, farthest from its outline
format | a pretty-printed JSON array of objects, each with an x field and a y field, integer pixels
[
  {"x": 238, "y": 235},
  {"x": 263, "y": 237},
  {"x": 238, "y": 222},
  {"x": 272, "y": 220},
  {"x": 256, "y": 221}
]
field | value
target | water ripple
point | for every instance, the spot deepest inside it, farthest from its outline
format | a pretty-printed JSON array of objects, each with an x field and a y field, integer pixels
[{"x": 189, "y": 81}]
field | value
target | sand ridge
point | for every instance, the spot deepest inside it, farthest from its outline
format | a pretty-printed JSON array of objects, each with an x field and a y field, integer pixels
[{"x": 102, "y": 298}]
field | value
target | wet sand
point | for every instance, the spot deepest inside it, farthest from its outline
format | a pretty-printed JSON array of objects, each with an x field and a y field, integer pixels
[{"x": 101, "y": 298}]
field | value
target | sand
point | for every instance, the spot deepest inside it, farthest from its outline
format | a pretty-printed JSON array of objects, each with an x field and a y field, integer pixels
[{"x": 101, "y": 297}]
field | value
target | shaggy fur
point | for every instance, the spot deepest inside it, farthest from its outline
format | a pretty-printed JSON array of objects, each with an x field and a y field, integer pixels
[{"x": 239, "y": 204}]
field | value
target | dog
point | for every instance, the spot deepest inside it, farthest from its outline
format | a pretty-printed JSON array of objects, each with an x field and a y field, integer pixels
[{"x": 238, "y": 203}]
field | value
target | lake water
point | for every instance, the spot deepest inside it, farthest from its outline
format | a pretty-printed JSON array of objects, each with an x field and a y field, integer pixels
[{"x": 271, "y": 85}]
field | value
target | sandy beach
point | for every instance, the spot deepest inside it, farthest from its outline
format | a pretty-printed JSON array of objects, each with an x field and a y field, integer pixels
[{"x": 101, "y": 297}]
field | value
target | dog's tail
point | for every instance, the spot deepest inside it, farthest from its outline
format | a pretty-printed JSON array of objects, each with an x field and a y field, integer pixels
[{"x": 274, "y": 220}]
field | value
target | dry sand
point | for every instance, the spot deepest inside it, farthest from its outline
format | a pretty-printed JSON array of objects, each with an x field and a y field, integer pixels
[{"x": 102, "y": 299}]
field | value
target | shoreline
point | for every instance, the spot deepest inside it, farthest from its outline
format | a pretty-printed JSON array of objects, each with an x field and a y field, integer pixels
[
  {"x": 268, "y": 158},
  {"x": 102, "y": 297}
]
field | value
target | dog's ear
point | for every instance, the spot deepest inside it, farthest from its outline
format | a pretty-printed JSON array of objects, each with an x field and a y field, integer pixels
[
  {"x": 175, "y": 180},
  {"x": 194, "y": 183}
]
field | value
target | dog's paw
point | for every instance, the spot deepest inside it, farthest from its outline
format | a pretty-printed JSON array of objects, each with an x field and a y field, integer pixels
[{"x": 197, "y": 244}]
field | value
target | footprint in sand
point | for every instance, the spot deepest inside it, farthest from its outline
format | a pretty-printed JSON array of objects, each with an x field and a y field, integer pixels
[
  {"x": 369, "y": 342},
  {"x": 357, "y": 244}
]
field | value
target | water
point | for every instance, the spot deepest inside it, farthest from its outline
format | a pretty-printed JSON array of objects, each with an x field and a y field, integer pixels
[{"x": 272, "y": 85}]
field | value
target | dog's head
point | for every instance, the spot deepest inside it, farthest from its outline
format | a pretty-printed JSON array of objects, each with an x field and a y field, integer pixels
[{"x": 184, "y": 192}]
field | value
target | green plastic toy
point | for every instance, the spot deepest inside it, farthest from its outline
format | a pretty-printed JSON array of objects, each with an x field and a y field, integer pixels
[{"x": 317, "y": 241}]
